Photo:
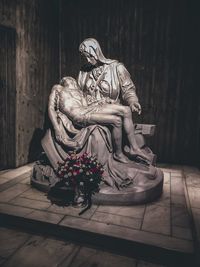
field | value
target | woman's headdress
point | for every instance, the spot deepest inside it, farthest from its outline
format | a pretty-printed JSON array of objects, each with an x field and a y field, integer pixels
[{"x": 92, "y": 47}]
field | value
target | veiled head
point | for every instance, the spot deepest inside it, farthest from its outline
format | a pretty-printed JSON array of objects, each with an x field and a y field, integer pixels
[{"x": 91, "y": 49}]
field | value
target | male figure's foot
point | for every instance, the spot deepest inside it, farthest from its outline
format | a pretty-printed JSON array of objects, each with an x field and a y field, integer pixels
[
  {"x": 137, "y": 154},
  {"x": 120, "y": 157}
]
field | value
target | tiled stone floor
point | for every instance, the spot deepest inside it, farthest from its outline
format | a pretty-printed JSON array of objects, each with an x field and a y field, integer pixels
[
  {"x": 20, "y": 249},
  {"x": 166, "y": 223}
]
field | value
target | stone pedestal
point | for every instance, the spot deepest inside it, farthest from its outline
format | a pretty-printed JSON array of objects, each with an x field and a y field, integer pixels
[
  {"x": 143, "y": 189},
  {"x": 147, "y": 180},
  {"x": 139, "y": 193}
]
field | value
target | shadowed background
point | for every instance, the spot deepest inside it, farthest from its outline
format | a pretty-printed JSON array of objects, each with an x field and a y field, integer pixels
[{"x": 156, "y": 40}]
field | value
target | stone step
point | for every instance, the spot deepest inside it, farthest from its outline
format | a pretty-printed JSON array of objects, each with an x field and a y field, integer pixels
[
  {"x": 158, "y": 232},
  {"x": 129, "y": 242}
]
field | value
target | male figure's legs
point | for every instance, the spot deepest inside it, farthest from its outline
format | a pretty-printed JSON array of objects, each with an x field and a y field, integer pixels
[
  {"x": 116, "y": 123},
  {"x": 118, "y": 111}
]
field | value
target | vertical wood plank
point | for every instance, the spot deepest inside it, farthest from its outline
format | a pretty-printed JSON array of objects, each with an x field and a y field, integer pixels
[
  {"x": 37, "y": 67},
  {"x": 7, "y": 97}
]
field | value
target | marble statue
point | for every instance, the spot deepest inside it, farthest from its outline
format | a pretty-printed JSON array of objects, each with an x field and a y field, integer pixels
[
  {"x": 94, "y": 115},
  {"x": 72, "y": 103}
]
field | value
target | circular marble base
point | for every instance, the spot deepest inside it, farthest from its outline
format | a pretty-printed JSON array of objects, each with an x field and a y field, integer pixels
[
  {"x": 143, "y": 190},
  {"x": 137, "y": 194}
]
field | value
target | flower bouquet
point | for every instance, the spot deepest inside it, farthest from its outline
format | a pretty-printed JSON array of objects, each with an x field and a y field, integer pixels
[{"x": 80, "y": 177}]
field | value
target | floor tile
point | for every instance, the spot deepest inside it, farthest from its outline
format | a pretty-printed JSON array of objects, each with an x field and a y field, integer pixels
[
  {"x": 117, "y": 220},
  {"x": 17, "y": 172},
  {"x": 157, "y": 219},
  {"x": 170, "y": 167},
  {"x": 33, "y": 193},
  {"x": 149, "y": 238},
  {"x": 131, "y": 211},
  {"x": 41, "y": 252},
  {"x": 30, "y": 203},
  {"x": 73, "y": 211},
  {"x": 14, "y": 210},
  {"x": 177, "y": 186},
  {"x": 12, "y": 182},
  {"x": 178, "y": 200},
  {"x": 180, "y": 216},
  {"x": 181, "y": 232},
  {"x": 45, "y": 216},
  {"x": 26, "y": 181},
  {"x": 10, "y": 241},
  {"x": 194, "y": 196},
  {"x": 3, "y": 180},
  {"x": 176, "y": 174},
  {"x": 89, "y": 257},
  {"x": 193, "y": 180},
  {"x": 3, "y": 171},
  {"x": 13, "y": 192},
  {"x": 164, "y": 199},
  {"x": 167, "y": 177}
]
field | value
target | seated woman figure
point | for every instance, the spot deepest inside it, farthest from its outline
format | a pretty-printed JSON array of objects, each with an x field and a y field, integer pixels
[{"x": 73, "y": 104}]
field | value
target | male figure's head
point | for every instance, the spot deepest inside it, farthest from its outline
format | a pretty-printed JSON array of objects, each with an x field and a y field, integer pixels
[{"x": 69, "y": 82}]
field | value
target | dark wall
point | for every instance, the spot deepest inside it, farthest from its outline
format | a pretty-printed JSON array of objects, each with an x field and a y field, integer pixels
[
  {"x": 37, "y": 64},
  {"x": 7, "y": 96},
  {"x": 157, "y": 41}
]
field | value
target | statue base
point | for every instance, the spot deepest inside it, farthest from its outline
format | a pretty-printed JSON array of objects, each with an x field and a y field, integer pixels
[
  {"x": 146, "y": 180},
  {"x": 143, "y": 190},
  {"x": 133, "y": 195}
]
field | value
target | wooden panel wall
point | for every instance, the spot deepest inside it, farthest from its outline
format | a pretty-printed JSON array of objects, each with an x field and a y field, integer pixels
[
  {"x": 7, "y": 96},
  {"x": 157, "y": 41},
  {"x": 37, "y": 66}
]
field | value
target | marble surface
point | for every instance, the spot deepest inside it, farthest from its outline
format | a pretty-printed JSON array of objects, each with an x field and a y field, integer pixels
[
  {"x": 28, "y": 250},
  {"x": 165, "y": 223}
]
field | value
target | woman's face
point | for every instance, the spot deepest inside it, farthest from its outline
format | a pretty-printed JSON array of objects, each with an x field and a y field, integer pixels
[{"x": 90, "y": 59}]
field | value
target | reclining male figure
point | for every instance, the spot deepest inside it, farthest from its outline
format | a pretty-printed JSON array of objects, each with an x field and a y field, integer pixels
[{"x": 73, "y": 104}]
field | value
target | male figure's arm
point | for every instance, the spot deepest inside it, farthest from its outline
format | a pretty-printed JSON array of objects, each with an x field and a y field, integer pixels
[{"x": 53, "y": 105}]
